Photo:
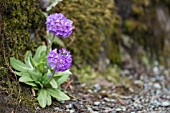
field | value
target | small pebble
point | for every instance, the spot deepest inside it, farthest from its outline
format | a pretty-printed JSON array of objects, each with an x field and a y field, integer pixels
[
  {"x": 103, "y": 102},
  {"x": 69, "y": 106},
  {"x": 96, "y": 103},
  {"x": 95, "y": 108},
  {"x": 157, "y": 86},
  {"x": 106, "y": 99},
  {"x": 82, "y": 85},
  {"x": 138, "y": 82},
  {"x": 113, "y": 111},
  {"x": 166, "y": 103},
  {"x": 72, "y": 111},
  {"x": 81, "y": 102},
  {"x": 90, "y": 109},
  {"x": 135, "y": 105},
  {"x": 123, "y": 108},
  {"x": 90, "y": 91},
  {"x": 97, "y": 87},
  {"x": 112, "y": 100},
  {"x": 95, "y": 112},
  {"x": 118, "y": 109},
  {"x": 56, "y": 108}
]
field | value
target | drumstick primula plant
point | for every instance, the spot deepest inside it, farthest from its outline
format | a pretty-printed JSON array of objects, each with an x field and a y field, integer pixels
[{"x": 47, "y": 69}]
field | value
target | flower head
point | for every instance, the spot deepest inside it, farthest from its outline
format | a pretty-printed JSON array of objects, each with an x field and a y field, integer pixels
[
  {"x": 59, "y": 25},
  {"x": 59, "y": 60}
]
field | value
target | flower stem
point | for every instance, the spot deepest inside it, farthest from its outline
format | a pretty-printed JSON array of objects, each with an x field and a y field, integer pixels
[{"x": 50, "y": 41}]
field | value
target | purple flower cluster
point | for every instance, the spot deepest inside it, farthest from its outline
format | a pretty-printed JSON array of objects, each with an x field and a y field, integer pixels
[
  {"x": 59, "y": 25},
  {"x": 59, "y": 60}
]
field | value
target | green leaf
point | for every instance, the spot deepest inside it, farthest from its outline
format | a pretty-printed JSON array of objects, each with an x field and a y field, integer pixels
[
  {"x": 62, "y": 79},
  {"x": 34, "y": 63},
  {"x": 53, "y": 4},
  {"x": 59, "y": 42},
  {"x": 39, "y": 83},
  {"x": 43, "y": 57},
  {"x": 25, "y": 78},
  {"x": 41, "y": 66},
  {"x": 42, "y": 95},
  {"x": 36, "y": 87},
  {"x": 18, "y": 73},
  {"x": 56, "y": 93},
  {"x": 27, "y": 59},
  {"x": 49, "y": 100},
  {"x": 35, "y": 75},
  {"x": 67, "y": 72},
  {"x": 53, "y": 83},
  {"x": 38, "y": 52},
  {"x": 31, "y": 84},
  {"x": 45, "y": 78},
  {"x": 45, "y": 14},
  {"x": 18, "y": 65}
]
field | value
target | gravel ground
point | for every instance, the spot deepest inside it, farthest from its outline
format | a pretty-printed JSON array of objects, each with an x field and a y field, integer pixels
[{"x": 149, "y": 94}]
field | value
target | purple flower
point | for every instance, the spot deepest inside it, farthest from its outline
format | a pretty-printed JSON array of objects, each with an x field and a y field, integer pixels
[
  {"x": 59, "y": 60},
  {"x": 59, "y": 25}
]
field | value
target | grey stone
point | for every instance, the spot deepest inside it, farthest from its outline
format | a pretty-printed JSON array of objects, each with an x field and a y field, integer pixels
[
  {"x": 90, "y": 91},
  {"x": 95, "y": 108},
  {"x": 90, "y": 109},
  {"x": 112, "y": 100},
  {"x": 166, "y": 103},
  {"x": 118, "y": 109},
  {"x": 97, "y": 87},
  {"x": 113, "y": 111},
  {"x": 123, "y": 108},
  {"x": 96, "y": 103},
  {"x": 106, "y": 99},
  {"x": 83, "y": 85},
  {"x": 157, "y": 86},
  {"x": 95, "y": 112},
  {"x": 56, "y": 108},
  {"x": 103, "y": 102},
  {"x": 72, "y": 111},
  {"x": 69, "y": 106}
]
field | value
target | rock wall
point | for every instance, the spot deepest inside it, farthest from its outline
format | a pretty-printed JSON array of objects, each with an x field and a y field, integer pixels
[
  {"x": 141, "y": 22},
  {"x": 18, "y": 20}
]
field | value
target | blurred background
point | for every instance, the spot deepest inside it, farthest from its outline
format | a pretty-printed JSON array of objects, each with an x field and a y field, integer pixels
[{"x": 113, "y": 35}]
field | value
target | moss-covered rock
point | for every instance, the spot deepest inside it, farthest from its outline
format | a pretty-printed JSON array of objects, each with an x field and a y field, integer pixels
[
  {"x": 97, "y": 29},
  {"x": 18, "y": 19},
  {"x": 142, "y": 25}
]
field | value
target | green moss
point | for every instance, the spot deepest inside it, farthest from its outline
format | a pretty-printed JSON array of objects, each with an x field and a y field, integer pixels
[
  {"x": 18, "y": 19},
  {"x": 142, "y": 27},
  {"x": 138, "y": 10},
  {"x": 97, "y": 25},
  {"x": 16, "y": 98}
]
